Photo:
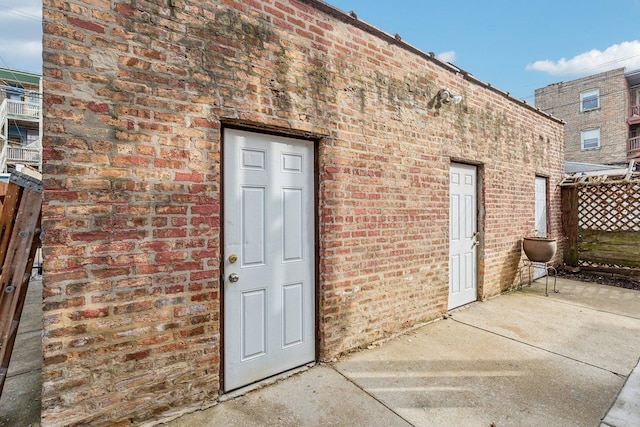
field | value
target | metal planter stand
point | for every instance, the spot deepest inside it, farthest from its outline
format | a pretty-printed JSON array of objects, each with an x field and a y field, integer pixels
[
  {"x": 539, "y": 252},
  {"x": 531, "y": 265}
]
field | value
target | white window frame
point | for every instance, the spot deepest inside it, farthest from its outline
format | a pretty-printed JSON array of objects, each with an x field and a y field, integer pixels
[
  {"x": 589, "y": 136},
  {"x": 586, "y": 96}
]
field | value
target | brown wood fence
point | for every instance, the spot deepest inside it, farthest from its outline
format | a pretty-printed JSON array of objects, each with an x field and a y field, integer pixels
[
  {"x": 19, "y": 236},
  {"x": 601, "y": 221}
]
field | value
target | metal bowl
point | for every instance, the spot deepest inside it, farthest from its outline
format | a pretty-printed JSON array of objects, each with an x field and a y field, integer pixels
[{"x": 539, "y": 249}]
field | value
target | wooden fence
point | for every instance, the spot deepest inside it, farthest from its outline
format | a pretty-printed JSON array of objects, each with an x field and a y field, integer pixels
[
  {"x": 601, "y": 221},
  {"x": 19, "y": 236}
]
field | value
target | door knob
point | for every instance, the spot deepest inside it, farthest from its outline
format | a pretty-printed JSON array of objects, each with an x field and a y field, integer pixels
[{"x": 233, "y": 277}]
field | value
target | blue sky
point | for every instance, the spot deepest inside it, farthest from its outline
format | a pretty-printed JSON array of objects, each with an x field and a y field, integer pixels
[
  {"x": 21, "y": 35},
  {"x": 515, "y": 45},
  {"x": 503, "y": 42}
]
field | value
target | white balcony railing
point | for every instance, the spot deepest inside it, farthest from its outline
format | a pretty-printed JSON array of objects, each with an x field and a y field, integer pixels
[
  {"x": 25, "y": 110},
  {"x": 10, "y": 154},
  {"x": 633, "y": 148},
  {"x": 28, "y": 154}
]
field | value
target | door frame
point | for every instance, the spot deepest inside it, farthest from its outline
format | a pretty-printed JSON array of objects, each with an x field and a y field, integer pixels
[
  {"x": 541, "y": 233},
  {"x": 540, "y": 271},
  {"x": 316, "y": 227},
  {"x": 479, "y": 224}
]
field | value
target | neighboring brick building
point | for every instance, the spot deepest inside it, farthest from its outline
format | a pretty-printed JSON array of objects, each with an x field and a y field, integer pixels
[
  {"x": 349, "y": 177},
  {"x": 602, "y": 115}
]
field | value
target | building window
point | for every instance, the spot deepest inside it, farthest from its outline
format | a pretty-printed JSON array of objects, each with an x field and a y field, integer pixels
[
  {"x": 590, "y": 139},
  {"x": 14, "y": 92},
  {"x": 32, "y": 137},
  {"x": 590, "y": 100}
]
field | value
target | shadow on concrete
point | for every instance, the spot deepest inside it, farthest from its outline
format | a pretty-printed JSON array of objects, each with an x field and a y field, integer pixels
[{"x": 517, "y": 359}]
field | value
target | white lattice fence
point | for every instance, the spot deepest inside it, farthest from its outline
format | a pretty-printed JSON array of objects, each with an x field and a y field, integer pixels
[{"x": 609, "y": 207}]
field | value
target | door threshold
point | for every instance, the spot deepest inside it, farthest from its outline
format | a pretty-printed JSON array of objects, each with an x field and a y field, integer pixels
[{"x": 238, "y": 392}]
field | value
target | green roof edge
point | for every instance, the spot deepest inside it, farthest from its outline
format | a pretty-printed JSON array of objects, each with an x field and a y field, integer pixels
[{"x": 19, "y": 76}]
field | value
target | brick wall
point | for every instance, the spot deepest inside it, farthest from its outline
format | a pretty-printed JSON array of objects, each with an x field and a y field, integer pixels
[
  {"x": 136, "y": 95},
  {"x": 563, "y": 101}
]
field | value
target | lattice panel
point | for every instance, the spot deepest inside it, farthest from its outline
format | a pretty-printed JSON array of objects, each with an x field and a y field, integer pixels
[{"x": 612, "y": 207}]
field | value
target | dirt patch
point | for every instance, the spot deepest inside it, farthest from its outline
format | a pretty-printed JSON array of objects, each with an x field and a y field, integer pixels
[{"x": 601, "y": 278}]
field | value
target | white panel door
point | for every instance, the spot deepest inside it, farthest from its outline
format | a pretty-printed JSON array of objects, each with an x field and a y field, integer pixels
[
  {"x": 463, "y": 239},
  {"x": 540, "y": 218},
  {"x": 269, "y": 259}
]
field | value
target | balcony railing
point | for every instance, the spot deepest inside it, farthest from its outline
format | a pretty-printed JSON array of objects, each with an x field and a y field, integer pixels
[
  {"x": 28, "y": 154},
  {"x": 633, "y": 148},
  {"x": 634, "y": 115},
  {"x": 24, "y": 154},
  {"x": 24, "y": 110}
]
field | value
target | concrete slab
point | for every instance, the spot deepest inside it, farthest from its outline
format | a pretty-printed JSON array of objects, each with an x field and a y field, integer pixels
[
  {"x": 625, "y": 302},
  {"x": 518, "y": 359},
  {"x": 450, "y": 373},
  {"x": 20, "y": 402},
  {"x": 318, "y": 397},
  {"x": 27, "y": 353},
  {"x": 31, "y": 319},
  {"x": 561, "y": 325},
  {"x": 625, "y": 412}
]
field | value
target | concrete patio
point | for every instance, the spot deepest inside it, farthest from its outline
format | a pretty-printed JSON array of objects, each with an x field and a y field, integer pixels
[
  {"x": 521, "y": 359},
  {"x": 518, "y": 359}
]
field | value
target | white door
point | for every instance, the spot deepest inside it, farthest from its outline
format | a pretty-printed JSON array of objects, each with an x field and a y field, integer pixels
[
  {"x": 463, "y": 236},
  {"x": 269, "y": 259},
  {"x": 540, "y": 218}
]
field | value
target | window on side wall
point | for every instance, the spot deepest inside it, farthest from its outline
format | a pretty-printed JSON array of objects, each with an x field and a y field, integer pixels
[
  {"x": 590, "y": 139},
  {"x": 590, "y": 100}
]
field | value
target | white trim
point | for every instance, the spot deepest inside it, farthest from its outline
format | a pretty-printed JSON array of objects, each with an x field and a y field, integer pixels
[
  {"x": 590, "y": 94},
  {"x": 590, "y": 135}
]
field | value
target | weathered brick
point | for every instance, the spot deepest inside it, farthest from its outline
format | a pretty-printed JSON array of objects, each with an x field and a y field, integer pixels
[{"x": 137, "y": 95}]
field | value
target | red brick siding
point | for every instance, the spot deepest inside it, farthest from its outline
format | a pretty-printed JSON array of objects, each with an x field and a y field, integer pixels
[{"x": 136, "y": 95}]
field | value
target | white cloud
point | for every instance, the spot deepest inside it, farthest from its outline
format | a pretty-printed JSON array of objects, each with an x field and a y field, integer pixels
[
  {"x": 625, "y": 54},
  {"x": 449, "y": 56}
]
